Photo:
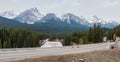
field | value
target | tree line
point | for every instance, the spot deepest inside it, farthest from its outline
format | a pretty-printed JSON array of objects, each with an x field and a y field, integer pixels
[
  {"x": 114, "y": 31},
  {"x": 19, "y": 38},
  {"x": 93, "y": 35}
]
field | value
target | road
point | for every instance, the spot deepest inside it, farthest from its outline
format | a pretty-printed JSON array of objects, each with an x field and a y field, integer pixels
[{"x": 23, "y": 53}]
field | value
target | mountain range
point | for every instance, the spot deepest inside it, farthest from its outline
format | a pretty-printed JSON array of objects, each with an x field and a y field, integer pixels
[{"x": 32, "y": 19}]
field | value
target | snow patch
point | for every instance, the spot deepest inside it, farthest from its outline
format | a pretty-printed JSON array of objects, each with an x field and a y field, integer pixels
[{"x": 55, "y": 43}]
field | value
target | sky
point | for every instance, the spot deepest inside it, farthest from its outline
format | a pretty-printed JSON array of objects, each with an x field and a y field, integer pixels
[{"x": 87, "y": 8}]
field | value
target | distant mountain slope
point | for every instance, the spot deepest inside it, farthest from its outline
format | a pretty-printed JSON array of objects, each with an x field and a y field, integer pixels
[
  {"x": 9, "y": 14},
  {"x": 4, "y": 22},
  {"x": 52, "y": 23},
  {"x": 50, "y": 19},
  {"x": 9, "y": 22},
  {"x": 103, "y": 22},
  {"x": 71, "y": 18}
]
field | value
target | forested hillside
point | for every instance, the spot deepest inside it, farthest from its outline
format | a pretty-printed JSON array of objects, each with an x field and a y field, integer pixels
[{"x": 19, "y": 38}]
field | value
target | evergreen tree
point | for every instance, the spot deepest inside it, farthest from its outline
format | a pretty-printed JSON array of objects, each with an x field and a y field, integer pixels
[{"x": 95, "y": 35}]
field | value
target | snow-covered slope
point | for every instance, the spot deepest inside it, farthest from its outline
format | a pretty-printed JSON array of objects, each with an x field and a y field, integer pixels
[
  {"x": 29, "y": 16},
  {"x": 103, "y": 22},
  {"x": 8, "y": 14},
  {"x": 95, "y": 19},
  {"x": 69, "y": 18},
  {"x": 50, "y": 19},
  {"x": 48, "y": 44}
]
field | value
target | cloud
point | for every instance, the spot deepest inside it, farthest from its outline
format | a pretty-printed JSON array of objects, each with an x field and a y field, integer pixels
[
  {"x": 110, "y": 3},
  {"x": 14, "y": 0}
]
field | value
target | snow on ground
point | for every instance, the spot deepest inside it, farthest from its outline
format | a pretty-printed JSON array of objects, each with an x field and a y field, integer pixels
[{"x": 55, "y": 43}]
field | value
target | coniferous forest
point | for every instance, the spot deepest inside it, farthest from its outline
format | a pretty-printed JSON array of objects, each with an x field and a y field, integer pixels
[{"x": 19, "y": 38}]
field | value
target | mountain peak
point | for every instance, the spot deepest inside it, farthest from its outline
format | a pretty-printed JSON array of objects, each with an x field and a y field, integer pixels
[
  {"x": 33, "y": 10},
  {"x": 49, "y": 16},
  {"x": 70, "y": 14},
  {"x": 29, "y": 16},
  {"x": 69, "y": 18},
  {"x": 96, "y": 19},
  {"x": 104, "y": 22}
]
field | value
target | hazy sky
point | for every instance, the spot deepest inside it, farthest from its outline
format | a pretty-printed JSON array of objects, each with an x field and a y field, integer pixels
[{"x": 101, "y": 8}]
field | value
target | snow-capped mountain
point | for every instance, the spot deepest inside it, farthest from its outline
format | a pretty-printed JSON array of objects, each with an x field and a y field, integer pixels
[
  {"x": 95, "y": 19},
  {"x": 71, "y": 18},
  {"x": 29, "y": 16},
  {"x": 49, "y": 18},
  {"x": 8, "y": 14},
  {"x": 101, "y": 21}
]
